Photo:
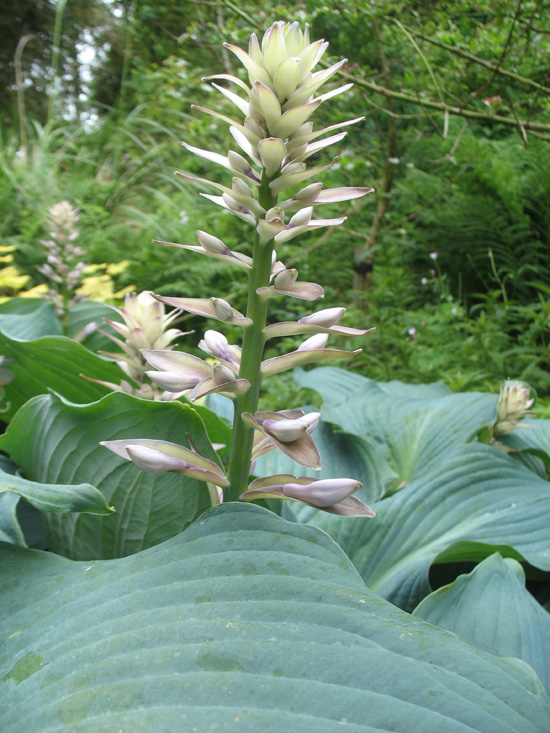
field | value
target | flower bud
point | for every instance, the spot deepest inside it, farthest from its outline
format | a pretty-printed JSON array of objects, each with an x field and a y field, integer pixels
[
  {"x": 286, "y": 279},
  {"x": 324, "y": 492},
  {"x": 319, "y": 341},
  {"x": 302, "y": 217},
  {"x": 513, "y": 406},
  {"x": 154, "y": 461},
  {"x": 211, "y": 243},
  {"x": 174, "y": 381},
  {"x": 215, "y": 344},
  {"x": 221, "y": 308},
  {"x": 288, "y": 431},
  {"x": 325, "y": 318},
  {"x": 222, "y": 374}
]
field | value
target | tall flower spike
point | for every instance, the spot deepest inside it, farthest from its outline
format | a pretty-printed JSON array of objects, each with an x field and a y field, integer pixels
[{"x": 276, "y": 139}]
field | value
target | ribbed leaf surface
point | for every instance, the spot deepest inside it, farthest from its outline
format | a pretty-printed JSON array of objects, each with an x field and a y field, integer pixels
[
  {"x": 58, "y": 443},
  {"x": 476, "y": 501},
  {"x": 243, "y": 622},
  {"x": 491, "y": 609}
]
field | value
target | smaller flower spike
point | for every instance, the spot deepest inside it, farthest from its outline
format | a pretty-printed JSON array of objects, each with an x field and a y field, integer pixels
[
  {"x": 330, "y": 495},
  {"x": 159, "y": 455}
]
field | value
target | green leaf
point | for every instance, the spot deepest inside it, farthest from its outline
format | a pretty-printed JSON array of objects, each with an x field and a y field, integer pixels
[
  {"x": 87, "y": 312},
  {"x": 335, "y": 385},
  {"x": 55, "y": 497},
  {"x": 533, "y": 437},
  {"x": 29, "y": 318},
  {"x": 492, "y": 610},
  {"x": 412, "y": 434},
  {"x": 53, "y": 363},
  {"x": 56, "y": 442},
  {"x": 465, "y": 508},
  {"x": 244, "y": 621},
  {"x": 10, "y": 529}
]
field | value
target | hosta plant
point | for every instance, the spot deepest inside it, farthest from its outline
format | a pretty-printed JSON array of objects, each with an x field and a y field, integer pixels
[{"x": 173, "y": 614}]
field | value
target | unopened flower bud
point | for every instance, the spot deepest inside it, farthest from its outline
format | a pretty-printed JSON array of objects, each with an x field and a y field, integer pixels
[
  {"x": 513, "y": 406},
  {"x": 325, "y": 318},
  {"x": 221, "y": 308},
  {"x": 286, "y": 279},
  {"x": 154, "y": 461},
  {"x": 222, "y": 374},
  {"x": 319, "y": 341},
  {"x": 289, "y": 430},
  {"x": 173, "y": 381},
  {"x": 302, "y": 217},
  {"x": 216, "y": 344},
  {"x": 211, "y": 243},
  {"x": 324, "y": 492}
]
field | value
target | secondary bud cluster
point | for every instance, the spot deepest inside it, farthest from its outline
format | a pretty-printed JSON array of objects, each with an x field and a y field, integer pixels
[
  {"x": 64, "y": 267},
  {"x": 514, "y": 404},
  {"x": 144, "y": 326}
]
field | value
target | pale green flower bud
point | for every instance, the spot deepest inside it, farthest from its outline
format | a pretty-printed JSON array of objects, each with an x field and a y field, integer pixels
[{"x": 514, "y": 404}]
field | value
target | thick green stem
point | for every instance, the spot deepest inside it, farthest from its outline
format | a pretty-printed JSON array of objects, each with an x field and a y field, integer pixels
[{"x": 252, "y": 352}]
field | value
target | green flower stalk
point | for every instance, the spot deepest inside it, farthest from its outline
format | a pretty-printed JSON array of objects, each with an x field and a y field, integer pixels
[{"x": 275, "y": 138}]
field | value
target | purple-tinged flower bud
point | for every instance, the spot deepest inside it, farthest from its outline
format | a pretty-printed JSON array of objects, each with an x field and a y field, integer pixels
[
  {"x": 174, "y": 381},
  {"x": 325, "y": 318},
  {"x": 324, "y": 492},
  {"x": 154, "y": 461},
  {"x": 319, "y": 341},
  {"x": 216, "y": 344},
  {"x": 288, "y": 431},
  {"x": 211, "y": 243}
]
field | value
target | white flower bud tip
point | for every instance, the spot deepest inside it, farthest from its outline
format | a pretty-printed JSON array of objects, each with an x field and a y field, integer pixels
[
  {"x": 154, "y": 461},
  {"x": 325, "y": 318},
  {"x": 211, "y": 243},
  {"x": 319, "y": 341},
  {"x": 286, "y": 279},
  {"x": 222, "y": 309},
  {"x": 222, "y": 374},
  {"x": 323, "y": 493}
]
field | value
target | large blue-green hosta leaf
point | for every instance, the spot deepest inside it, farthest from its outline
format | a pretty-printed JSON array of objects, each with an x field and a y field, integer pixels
[
  {"x": 476, "y": 501},
  {"x": 53, "y": 363},
  {"x": 335, "y": 385},
  {"x": 491, "y": 609},
  {"x": 56, "y": 442},
  {"x": 243, "y": 622},
  {"x": 409, "y": 427}
]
